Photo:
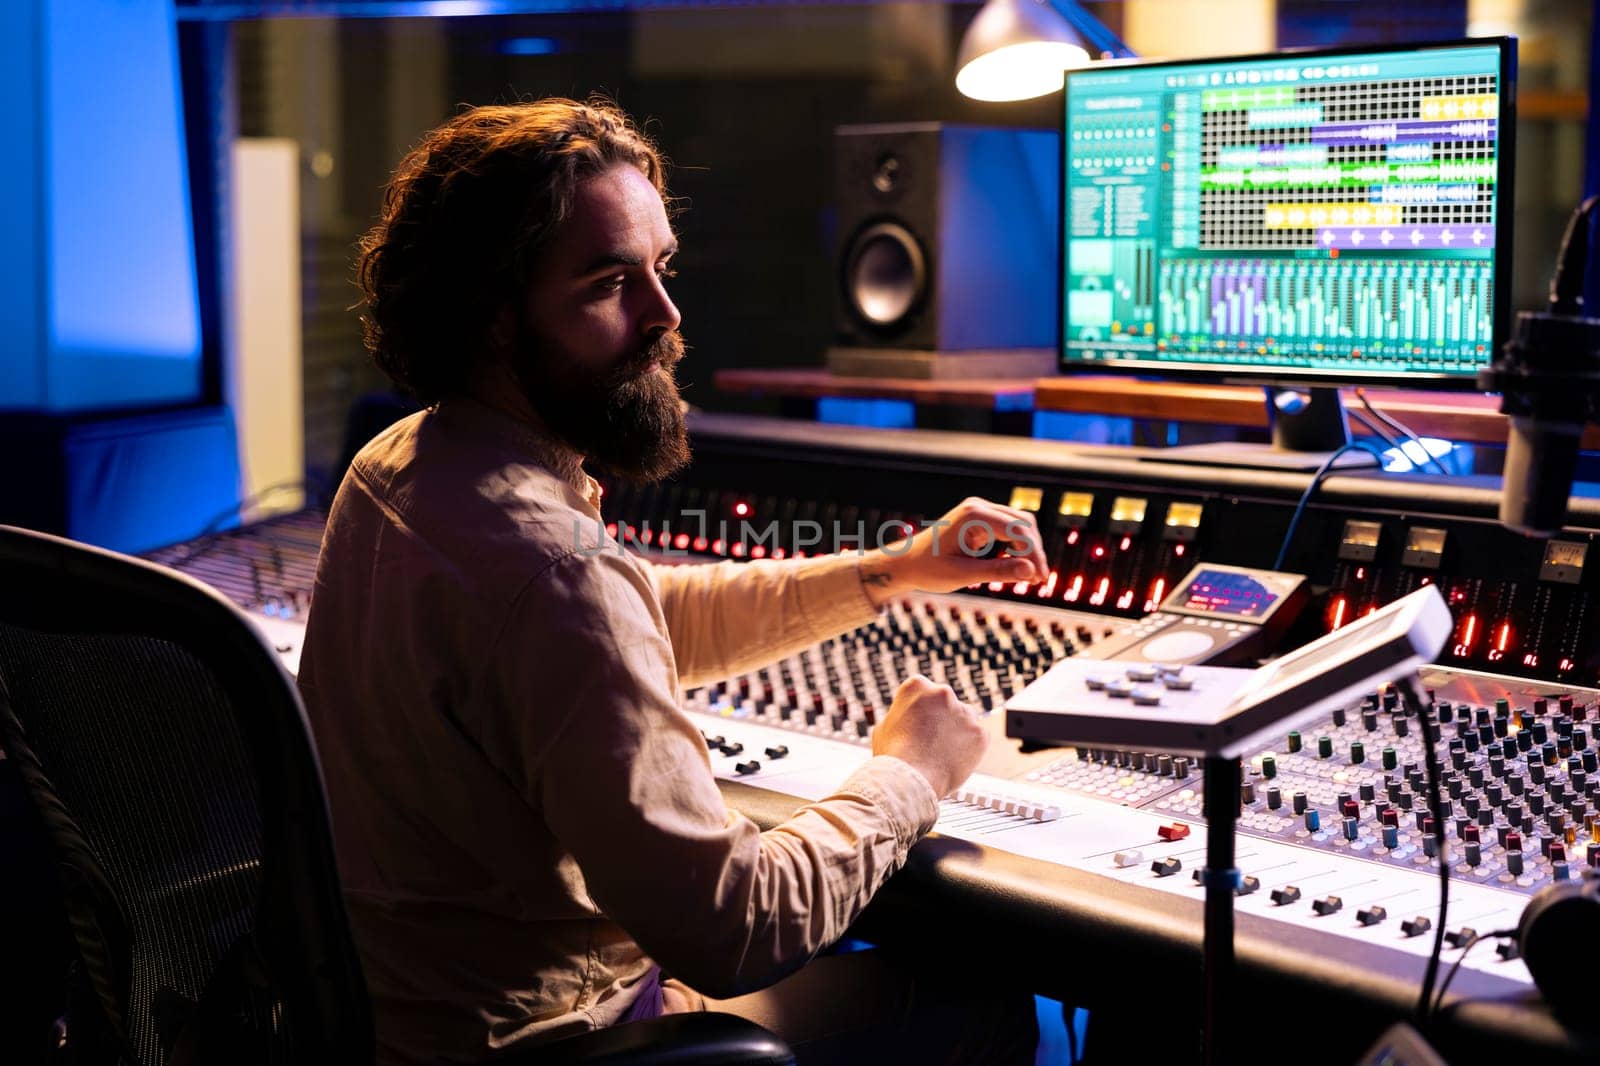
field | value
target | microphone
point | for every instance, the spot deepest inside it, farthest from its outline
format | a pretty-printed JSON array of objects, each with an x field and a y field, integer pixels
[{"x": 1548, "y": 377}]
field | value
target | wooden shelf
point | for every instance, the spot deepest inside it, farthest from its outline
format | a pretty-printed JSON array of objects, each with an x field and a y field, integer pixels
[
  {"x": 991, "y": 394},
  {"x": 1467, "y": 417},
  {"x": 1470, "y": 417}
]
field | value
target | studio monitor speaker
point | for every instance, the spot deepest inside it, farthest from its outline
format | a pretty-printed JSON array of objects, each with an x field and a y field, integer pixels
[{"x": 947, "y": 259}]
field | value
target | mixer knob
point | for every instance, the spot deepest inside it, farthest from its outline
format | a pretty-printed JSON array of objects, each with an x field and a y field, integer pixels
[
  {"x": 1358, "y": 752},
  {"x": 1461, "y": 937},
  {"x": 1338, "y": 716},
  {"x": 1247, "y": 886},
  {"x": 1125, "y": 859},
  {"x": 1269, "y": 767},
  {"x": 1274, "y": 797},
  {"x": 1474, "y": 853},
  {"x": 1416, "y": 926},
  {"x": 1560, "y": 871},
  {"x": 1299, "y": 803},
  {"x": 1514, "y": 862},
  {"x": 1324, "y": 747},
  {"x": 1247, "y": 792},
  {"x": 1286, "y": 895},
  {"x": 1293, "y": 741},
  {"x": 1328, "y": 905},
  {"x": 1175, "y": 831},
  {"x": 1369, "y": 720},
  {"x": 1390, "y": 758},
  {"x": 1371, "y": 915},
  {"x": 1367, "y": 792},
  {"x": 1313, "y": 821},
  {"x": 1391, "y": 837},
  {"x": 1166, "y": 867},
  {"x": 1352, "y": 829},
  {"x": 1402, "y": 725},
  {"x": 1180, "y": 767},
  {"x": 746, "y": 767}
]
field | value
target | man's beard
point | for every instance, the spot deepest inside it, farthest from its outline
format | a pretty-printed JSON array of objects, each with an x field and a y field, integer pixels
[{"x": 627, "y": 422}]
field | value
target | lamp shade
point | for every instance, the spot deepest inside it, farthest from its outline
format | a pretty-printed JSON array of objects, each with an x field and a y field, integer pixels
[{"x": 1016, "y": 50}]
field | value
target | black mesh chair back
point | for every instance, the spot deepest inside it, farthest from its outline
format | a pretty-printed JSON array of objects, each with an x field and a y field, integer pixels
[{"x": 168, "y": 755}]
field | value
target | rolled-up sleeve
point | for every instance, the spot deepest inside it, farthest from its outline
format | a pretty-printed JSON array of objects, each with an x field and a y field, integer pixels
[
  {"x": 626, "y": 786},
  {"x": 726, "y": 618}
]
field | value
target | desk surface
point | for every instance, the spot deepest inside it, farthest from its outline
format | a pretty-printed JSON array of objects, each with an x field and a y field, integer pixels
[{"x": 816, "y": 383}]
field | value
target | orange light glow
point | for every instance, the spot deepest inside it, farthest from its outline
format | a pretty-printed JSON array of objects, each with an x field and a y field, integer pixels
[
  {"x": 1178, "y": 551},
  {"x": 1469, "y": 629},
  {"x": 1072, "y": 537},
  {"x": 741, "y": 509},
  {"x": 1075, "y": 589},
  {"x": 1127, "y": 542},
  {"x": 1048, "y": 589},
  {"x": 1504, "y": 638},
  {"x": 758, "y": 552},
  {"x": 700, "y": 544},
  {"x": 1100, "y": 591},
  {"x": 1339, "y": 606}
]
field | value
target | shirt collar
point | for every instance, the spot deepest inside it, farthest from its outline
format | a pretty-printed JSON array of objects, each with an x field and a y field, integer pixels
[{"x": 532, "y": 441}]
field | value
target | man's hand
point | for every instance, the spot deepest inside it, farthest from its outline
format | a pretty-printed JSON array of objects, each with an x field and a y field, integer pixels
[
  {"x": 936, "y": 733},
  {"x": 977, "y": 541}
]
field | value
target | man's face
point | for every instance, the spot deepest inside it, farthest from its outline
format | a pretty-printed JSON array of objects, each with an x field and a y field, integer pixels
[{"x": 598, "y": 337}]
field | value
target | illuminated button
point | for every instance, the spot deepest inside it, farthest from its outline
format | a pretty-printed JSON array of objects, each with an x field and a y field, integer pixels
[
  {"x": 1286, "y": 895},
  {"x": 1175, "y": 831},
  {"x": 1166, "y": 867},
  {"x": 1371, "y": 915}
]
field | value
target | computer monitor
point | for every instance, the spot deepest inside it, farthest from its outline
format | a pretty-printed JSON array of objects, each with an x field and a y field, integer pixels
[{"x": 1311, "y": 217}]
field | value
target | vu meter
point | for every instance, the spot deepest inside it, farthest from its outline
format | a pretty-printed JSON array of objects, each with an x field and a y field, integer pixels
[{"x": 1218, "y": 616}]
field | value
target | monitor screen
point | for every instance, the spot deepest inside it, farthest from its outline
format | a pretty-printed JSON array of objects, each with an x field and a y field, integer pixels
[{"x": 1331, "y": 216}]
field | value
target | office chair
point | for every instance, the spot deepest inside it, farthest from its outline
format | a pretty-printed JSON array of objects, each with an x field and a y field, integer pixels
[{"x": 168, "y": 756}]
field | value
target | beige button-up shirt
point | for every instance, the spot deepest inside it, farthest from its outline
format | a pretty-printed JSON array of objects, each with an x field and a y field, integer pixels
[{"x": 524, "y": 816}]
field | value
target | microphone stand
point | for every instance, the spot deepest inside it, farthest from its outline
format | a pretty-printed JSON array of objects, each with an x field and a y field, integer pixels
[{"x": 1220, "y": 795}]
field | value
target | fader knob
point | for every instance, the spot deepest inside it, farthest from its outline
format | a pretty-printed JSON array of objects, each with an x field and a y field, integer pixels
[
  {"x": 1328, "y": 905},
  {"x": 1286, "y": 895},
  {"x": 1371, "y": 915},
  {"x": 1416, "y": 926}
]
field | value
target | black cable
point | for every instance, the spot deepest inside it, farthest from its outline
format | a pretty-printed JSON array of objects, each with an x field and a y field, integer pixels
[
  {"x": 1305, "y": 497},
  {"x": 1566, "y": 284},
  {"x": 1399, "y": 427},
  {"x": 1428, "y": 728},
  {"x": 1499, "y": 934}
]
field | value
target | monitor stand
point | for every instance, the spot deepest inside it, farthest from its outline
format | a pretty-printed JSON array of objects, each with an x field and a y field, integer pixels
[{"x": 1308, "y": 425}]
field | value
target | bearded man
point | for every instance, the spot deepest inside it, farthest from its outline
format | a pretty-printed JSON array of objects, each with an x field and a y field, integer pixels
[{"x": 529, "y": 834}]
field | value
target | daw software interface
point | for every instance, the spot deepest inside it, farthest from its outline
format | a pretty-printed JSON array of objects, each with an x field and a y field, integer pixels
[{"x": 1317, "y": 215}]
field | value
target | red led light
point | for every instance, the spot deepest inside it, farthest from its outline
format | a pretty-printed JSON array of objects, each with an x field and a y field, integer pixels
[
  {"x": 681, "y": 541},
  {"x": 699, "y": 544},
  {"x": 648, "y": 535},
  {"x": 1075, "y": 589},
  {"x": 758, "y": 552},
  {"x": 1127, "y": 542},
  {"x": 778, "y": 553},
  {"x": 1125, "y": 600},
  {"x": 1100, "y": 591},
  {"x": 737, "y": 549},
  {"x": 611, "y": 529},
  {"x": 1504, "y": 638},
  {"x": 996, "y": 586},
  {"x": 1339, "y": 606},
  {"x": 1072, "y": 537},
  {"x": 1178, "y": 551},
  {"x": 1048, "y": 589},
  {"x": 1099, "y": 552},
  {"x": 741, "y": 509},
  {"x": 1361, "y": 573},
  {"x": 718, "y": 548}
]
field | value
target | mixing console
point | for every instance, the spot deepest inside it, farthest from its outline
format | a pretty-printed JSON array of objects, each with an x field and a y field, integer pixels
[{"x": 1334, "y": 840}]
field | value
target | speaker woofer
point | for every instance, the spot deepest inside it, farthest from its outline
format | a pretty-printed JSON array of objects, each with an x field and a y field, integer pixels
[{"x": 886, "y": 275}]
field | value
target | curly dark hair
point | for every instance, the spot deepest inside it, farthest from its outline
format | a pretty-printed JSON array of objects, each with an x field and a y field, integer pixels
[{"x": 464, "y": 219}]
